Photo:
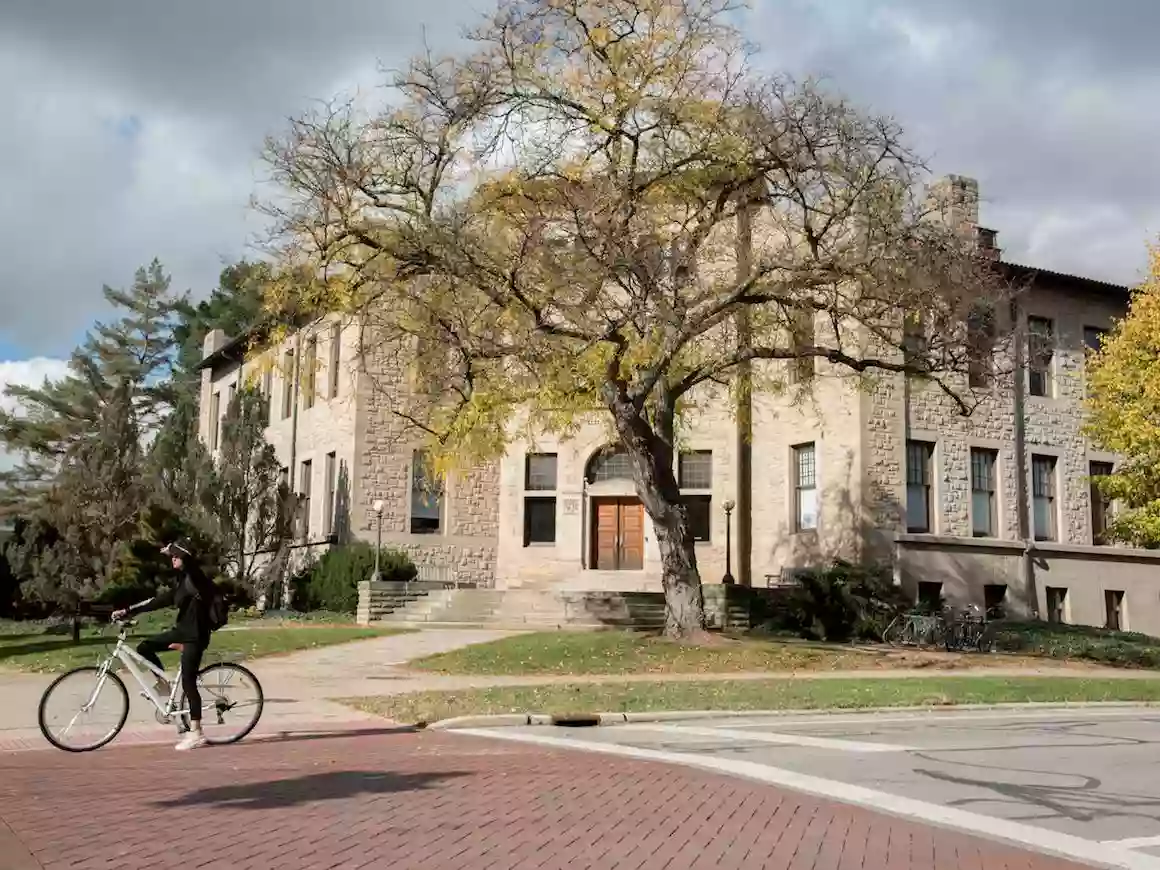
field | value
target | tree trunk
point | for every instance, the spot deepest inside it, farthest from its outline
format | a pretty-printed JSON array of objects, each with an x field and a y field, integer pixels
[
  {"x": 684, "y": 601},
  {"x": 656, "y": 484}
]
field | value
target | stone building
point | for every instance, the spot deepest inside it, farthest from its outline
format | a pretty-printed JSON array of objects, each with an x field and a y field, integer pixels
[{"x": 892, "y": 473}]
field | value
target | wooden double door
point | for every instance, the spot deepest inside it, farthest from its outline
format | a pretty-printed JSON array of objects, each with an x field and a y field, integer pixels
[{"x": 617, "y": 534}]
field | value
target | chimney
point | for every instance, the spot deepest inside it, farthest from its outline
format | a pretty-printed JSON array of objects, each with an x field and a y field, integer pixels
[
  {"x": 988, "y": 245},
  {"x": 214, "y": 341},
  {"x": 955, "y": 200}
]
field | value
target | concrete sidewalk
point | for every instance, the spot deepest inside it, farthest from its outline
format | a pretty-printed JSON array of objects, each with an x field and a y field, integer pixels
[{"x": 297, "y": 687}]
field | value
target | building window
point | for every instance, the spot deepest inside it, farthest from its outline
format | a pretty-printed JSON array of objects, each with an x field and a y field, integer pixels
[
  {"x": 1043, "y": 497},
  {"x": 980, "y": 346},
  {"x": 540, "y": 509},
  {"x": 695, "y": 478},
  {"x": 332, "y": 370},
  {"x": 695, "y": 469},
  {"x": 539, "y": 520},
  {"x": 426, "y": 496},
  {"x": 914, "y": 341},
  {"x": 984, "y": 512},
  {"x": 231, "y": 394},
  {"x": 305, "y": 486},
  {"x": 1114, "y": 610},
  {"x": 803, "y": 332},
  {"x": 268, "y": 384},
  {"x": 1101, "y": 505},
  {"x": 331, "y": 484},
  {"x": 995, "y": 600},
  {"x": 805, "y": 487},
  {"x": 310, "y": 373},
  {"x": 540, "y": 472},
  {"x": 1056, "y": 604},
  {"x": 611, "y": 463},
  {"x": 287, "y": 384},
  {"x": 1093, "y": 338},
  {"x": 215, "y": 424},
  {"x": 930, "y": 596},
  {"x": 1040, "y": 354},
  {"x": 284, "y": 477},
  {"x": 919, "y": 459}
]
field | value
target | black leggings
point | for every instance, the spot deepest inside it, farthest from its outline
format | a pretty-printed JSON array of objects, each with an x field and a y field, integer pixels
[{"x": 190, "y": 664}]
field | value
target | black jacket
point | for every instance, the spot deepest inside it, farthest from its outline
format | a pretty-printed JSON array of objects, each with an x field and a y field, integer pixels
[{"x": 191, "y": 595}]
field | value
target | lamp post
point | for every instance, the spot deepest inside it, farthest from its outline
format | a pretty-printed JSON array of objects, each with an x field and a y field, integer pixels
[
  {"x": 377, "y": 507},
  {"x": 728, "y": 578}
]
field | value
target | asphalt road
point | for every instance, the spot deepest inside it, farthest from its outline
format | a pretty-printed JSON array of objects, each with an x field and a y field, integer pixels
[{"x": 1082, "y": 783}]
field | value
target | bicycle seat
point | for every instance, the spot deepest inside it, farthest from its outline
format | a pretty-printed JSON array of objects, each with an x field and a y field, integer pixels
[{"x": 177, "y": 647}]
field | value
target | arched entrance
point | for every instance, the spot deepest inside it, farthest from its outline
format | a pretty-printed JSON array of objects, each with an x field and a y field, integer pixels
[{"x": 617, "y": 516}]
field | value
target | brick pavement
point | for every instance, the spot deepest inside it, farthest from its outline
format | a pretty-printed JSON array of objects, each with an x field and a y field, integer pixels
[{"x": 387, "y": 797}]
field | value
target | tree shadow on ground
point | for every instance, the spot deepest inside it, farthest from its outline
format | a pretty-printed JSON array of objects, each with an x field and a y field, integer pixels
[
  {"x": 291, "y": 736},
  {"x": 46, "y": 644},
  {"x": 314, "y": 788}
]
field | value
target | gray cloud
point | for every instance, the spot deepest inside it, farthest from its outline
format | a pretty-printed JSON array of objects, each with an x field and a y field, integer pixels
[
  {"x": 133, "y": 127},
  {"x": 1047, "y": 103}
]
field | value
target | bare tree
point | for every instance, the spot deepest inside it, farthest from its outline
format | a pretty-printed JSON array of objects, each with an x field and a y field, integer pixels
[{"x": 603, "y": 212}]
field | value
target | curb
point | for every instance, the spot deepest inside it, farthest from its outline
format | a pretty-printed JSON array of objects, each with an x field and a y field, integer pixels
[{"x": 518, "y": 720}]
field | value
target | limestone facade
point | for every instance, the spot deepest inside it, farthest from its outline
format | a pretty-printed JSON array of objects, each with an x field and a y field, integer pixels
[{"x": 829, "y": 473}]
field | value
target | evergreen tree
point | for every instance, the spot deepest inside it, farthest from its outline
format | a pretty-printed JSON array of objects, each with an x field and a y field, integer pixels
[
  {"x": 135, "y": 352},
  {"x": 93, "y": 507},
  {"x": 248, "y": 500}
]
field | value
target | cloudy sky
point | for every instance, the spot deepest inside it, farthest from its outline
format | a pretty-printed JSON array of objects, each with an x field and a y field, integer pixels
[{"x": 132, "y": 126}]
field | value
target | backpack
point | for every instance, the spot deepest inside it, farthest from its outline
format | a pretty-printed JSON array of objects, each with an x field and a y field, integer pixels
[{"x": 219, "y": 610}]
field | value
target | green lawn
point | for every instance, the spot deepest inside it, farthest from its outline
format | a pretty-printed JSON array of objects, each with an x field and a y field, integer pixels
[
  {"x": 36, "y": 647},
  {"x": 624, "y": 652},
  {"x": 801, "y": 694}
]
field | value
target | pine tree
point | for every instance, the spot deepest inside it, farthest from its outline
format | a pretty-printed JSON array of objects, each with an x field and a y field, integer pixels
[
  {"x": 249, "y": 501},
  {"x": 92, "y": 506},
  {"x": 136, "y": 351}
]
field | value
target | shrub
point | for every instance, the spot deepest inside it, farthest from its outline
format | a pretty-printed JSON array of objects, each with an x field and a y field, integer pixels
[
  {"x": 1128, "y": 649},
  {"x": 331, "y": 583},
  {"x": 840, "y": 603}
]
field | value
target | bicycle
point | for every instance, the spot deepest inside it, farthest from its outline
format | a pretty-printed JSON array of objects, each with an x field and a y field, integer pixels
[
  {"x": 916, "y": 629},
  {"x": 102, "y": 676},
  {"x": 968, "y": 631}
]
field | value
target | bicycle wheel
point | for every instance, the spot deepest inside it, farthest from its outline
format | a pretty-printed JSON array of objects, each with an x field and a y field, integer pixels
[
  {"x": 82, "y": 693},
  {"x": 892, "y": 636},
  {"x": 231, "y": 702}
]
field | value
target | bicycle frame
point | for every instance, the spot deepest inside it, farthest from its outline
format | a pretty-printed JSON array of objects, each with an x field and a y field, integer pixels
[{"x": 133, "y": 662}]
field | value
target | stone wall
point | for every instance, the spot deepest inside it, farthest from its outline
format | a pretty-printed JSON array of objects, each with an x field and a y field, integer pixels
[
  {"x": 964, "y": 566},
  {"x": 1053, "y": 426},
  {"x": 384, "y": 448}
]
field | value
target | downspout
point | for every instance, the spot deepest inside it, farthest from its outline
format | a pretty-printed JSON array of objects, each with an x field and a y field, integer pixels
[
  {"x": 744, "y": 430},
  {"x": 295, "y": 483},
  {"x": 1026, "y": 562}
]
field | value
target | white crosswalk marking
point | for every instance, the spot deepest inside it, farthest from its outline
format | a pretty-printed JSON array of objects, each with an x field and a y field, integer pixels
[{"x": 768, "y": 737}]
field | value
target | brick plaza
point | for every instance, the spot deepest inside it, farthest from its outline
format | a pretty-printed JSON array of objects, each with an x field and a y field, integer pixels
[{"x": 390, "y": 798}]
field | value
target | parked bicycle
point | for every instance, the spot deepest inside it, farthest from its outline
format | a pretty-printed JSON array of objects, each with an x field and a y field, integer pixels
[
  {"x": 232, "y": 699},
  {"x": 967, "y": 631},
  {"x": 954, "y": 631},
  {"x": 916, "y": 628}
]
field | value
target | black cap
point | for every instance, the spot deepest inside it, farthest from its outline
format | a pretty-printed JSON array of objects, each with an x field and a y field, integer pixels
[{"x": 180, "y": 547}]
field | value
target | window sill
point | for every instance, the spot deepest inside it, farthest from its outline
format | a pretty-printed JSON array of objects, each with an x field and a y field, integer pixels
[{"x": 538, "y": 545}]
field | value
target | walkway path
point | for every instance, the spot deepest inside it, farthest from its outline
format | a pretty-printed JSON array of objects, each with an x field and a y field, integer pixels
[{"x": 297, "y": 686}]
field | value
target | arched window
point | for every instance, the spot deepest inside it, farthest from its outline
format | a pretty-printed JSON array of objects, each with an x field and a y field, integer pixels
[{"x": 608, "y": 463}]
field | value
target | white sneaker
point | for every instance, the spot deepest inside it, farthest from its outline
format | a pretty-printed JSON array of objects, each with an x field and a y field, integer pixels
[{"x": 192, "y": 740}]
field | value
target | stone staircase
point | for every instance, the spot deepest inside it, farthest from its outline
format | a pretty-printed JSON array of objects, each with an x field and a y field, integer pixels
[{"x": 534, "y": 609}]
